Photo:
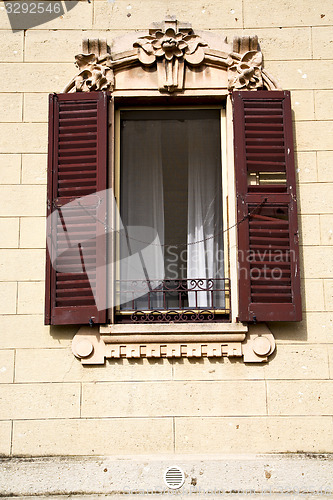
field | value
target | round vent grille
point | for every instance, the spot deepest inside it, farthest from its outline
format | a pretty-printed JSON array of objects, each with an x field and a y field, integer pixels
[{"x": 174, "y": 477}]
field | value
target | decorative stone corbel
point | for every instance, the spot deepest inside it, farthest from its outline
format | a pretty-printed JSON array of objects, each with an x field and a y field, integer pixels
[
  {"x": 259, "y": 344},
  {"x": 96, "y": 68},
  {"x": 88, "y": 346},
  {"x": 245, "y": 64},
  {"x": 170, "y": 47}
]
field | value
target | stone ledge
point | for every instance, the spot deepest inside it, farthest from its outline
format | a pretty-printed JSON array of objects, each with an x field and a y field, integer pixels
[
  {"x": 211, "y": 475},
  {"x": 121, "y": 329},
  {"x": 166, "y": 341}
]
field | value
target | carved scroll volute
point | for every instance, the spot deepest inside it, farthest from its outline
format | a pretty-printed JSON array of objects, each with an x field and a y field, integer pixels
[
  {"x": 170, "y": 49},
  {"x": 245, "y": 64},
  {"x": 95, "y": 68}
]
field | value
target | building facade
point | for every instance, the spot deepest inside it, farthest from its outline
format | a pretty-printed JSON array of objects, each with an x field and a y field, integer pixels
[{"x": 53, "y": 403}]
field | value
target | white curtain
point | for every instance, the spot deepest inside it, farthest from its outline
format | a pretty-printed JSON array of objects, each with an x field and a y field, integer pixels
[
  {"x": 205, "y": 259},
  {"x": 142, "y": 208}
]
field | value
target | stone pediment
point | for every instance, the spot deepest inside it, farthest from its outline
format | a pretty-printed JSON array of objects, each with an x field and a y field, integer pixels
[{"x": 171, "y": 57}]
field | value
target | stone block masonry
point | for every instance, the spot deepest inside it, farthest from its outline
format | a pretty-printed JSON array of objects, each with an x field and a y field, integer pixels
[{"x": 50, "y": 403}]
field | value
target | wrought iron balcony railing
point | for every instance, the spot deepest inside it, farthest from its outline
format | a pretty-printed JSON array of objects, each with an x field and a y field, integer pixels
[{"x": 179, "y": 300}]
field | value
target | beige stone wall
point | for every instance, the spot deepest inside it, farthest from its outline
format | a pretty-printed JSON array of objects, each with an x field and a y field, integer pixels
[{"x": 49, "y": 403}]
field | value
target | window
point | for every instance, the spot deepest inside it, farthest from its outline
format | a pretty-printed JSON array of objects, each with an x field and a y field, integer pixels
[
  {"x": 170, "y": 181},
  {"x": 266, "y": 206}
]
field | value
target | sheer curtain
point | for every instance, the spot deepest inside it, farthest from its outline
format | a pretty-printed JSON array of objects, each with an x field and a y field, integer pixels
[
  {"x": 142, "y": 209},
  {"x": 204, "y": 259}
]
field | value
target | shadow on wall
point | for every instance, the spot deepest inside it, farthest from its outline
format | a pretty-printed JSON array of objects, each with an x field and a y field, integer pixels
[
  {"x": 65, "y": 332},
  {"x": 29, "y": 14},
  {"x": 294, "y": 331}
]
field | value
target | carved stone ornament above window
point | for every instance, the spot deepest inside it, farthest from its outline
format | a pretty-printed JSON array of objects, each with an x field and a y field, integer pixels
[
  {"x": 170, "y": 49},
  {"x": 95, "y": 68},
  {"x": 245, "y": 65}
]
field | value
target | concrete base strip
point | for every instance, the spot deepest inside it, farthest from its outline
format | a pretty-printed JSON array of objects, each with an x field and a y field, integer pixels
[{"x": 234, "y": 476}]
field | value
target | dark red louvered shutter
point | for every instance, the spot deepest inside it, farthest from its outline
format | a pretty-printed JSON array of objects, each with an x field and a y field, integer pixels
[
  {"x": 269, "y": 272},
  {"x": 77, "y": 177}
]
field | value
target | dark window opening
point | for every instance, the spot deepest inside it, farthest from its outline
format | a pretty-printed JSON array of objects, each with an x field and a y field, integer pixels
[{"x": 171, "y": 188}]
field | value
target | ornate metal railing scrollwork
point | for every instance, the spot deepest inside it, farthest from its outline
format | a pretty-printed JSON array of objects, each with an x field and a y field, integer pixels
[{"x": 181, "y": 300}]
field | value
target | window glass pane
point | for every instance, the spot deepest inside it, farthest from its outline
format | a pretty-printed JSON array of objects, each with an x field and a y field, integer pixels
[{"x": 171, "y": 183}]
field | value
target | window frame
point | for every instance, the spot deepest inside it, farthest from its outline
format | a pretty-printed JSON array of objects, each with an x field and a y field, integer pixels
[
  {"x": 209, "y": 77},
  {"x": 116, "y": 173}
]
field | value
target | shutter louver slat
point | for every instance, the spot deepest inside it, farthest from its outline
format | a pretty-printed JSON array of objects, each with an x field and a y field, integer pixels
[
  {"x": 269, "y": 284},
  {"x": 77, "y": 168}
]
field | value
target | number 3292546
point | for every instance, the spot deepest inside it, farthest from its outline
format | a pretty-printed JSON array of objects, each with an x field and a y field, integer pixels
[{"x": 33, "y": 7}]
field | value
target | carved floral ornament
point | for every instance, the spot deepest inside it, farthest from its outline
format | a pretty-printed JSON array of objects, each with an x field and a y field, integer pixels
[
  {"x": 171, "y": 48},
  {"x": 247, "y": 73},
  {"x": 170, "y": 44},
  {"x": 95, "y": 73}
]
